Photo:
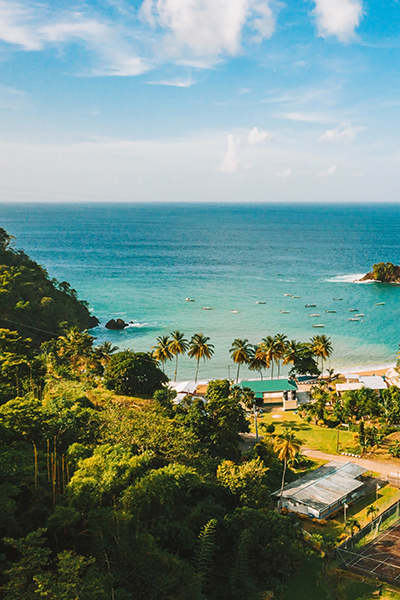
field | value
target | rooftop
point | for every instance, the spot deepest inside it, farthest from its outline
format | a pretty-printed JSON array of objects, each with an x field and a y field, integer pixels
[
  {"x": 324, "y": 486},
  {"x": 269, "y": 385}
]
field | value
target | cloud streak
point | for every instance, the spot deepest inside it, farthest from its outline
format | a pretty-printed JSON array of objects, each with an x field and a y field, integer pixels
[{"x": 344, "y": 132}]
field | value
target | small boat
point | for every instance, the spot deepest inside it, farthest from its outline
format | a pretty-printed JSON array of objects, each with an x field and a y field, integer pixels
[
  {"x": 330, "y": 311},
  {"x": 295, "y": 296},
  {"x": 206, "y": 307},
  {"x": 314, "y": 315},
  {"x": 288, "y": 295},
  {"x": 353, "y": 319},
  {"x": 309, "y": 305},
  {"x": 318, "y": 325},
  {"x": 338, "y": 298},
  {"x": 284, "y": 312},
  {"x": 379, "y": 303},
  {"x": 261, "y": 302},
  {"x": 353, "y": 309},
  {"x": 234, "y": 311},
  {"x": 360, "y": 315},
  {"x": 189, "y": 299}
]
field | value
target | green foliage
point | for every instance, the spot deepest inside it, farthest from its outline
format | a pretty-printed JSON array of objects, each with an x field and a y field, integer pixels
[
  {"x": 247, "y": 481},
  {"x": 304, "y": 362},
  {"x": 31, "y": 302},
  {"x": 385, "y": 272},
  {"x": 133, "y": 373}
]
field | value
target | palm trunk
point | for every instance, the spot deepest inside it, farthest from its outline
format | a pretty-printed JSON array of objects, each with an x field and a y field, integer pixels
[
  {"x": 283, "y": 482},
  {"x": 261, "y": 374},
  {"x": 279, "y": 368},
  {"x": 176, "y": 368},
  {"x": 197, "y": 370},
  {"x": 237, "y": 374},
  {"x": 322, "y": 366},
  {"x": 272, "y": 369}
]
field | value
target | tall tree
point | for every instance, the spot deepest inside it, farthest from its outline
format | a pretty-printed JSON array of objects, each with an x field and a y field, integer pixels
[
  {"x": 286, "y": 446},
  {"x": 200, "y": 348},
  {"x": 241, "y": 352},
  {"x": 269, "y": 348},
  {"x": 291, "y": 352},
  {"x": 257, "y": 361},
  {"x": 178, "y": 345},
  {"x": 322, "y": 347},
  {"x": 281, "y": 343},
  {"x": 162, "y": 351}
]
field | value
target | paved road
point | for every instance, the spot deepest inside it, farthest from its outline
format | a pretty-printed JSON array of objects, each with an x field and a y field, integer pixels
[{"x": 385, "y": 468}]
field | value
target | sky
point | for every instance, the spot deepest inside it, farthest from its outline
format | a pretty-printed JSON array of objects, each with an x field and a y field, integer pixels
[{"x": 200, "y": 101}]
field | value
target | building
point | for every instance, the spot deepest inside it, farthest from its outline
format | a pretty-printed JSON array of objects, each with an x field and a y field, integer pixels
[
  {"x": 356, "y": 382},
  {"x": 274, "y": 391},
  {"x": 324, "y": 491}
]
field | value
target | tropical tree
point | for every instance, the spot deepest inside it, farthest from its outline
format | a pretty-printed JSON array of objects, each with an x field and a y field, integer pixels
[
  {"x": 257, "y": 361},
  {"x": 291, "y": 352},
  {"x": 352, "y": 524},
  {"x": 200, "y": 348},
  {"x": 269, "y": 348},
  {"x": 281, "y": 342},
  {"x": 104, "y": 351},
  {"x": 286, "y": 446},
  {"x": 162, "y": 351},
  {"x": 322, "y": 347},
  {"x": 178, "y": 345},
  {"x": 241, "y": 352},
  {"x": 372, "y": 511}
]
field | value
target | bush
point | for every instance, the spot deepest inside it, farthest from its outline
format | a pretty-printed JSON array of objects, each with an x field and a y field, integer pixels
[{"x": 133, "y": 373}]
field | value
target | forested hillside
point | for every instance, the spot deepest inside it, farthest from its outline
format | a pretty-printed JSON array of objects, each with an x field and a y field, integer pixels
[
  {"x": 106, "y": 496},
  {"x": 31, "y": 302}
]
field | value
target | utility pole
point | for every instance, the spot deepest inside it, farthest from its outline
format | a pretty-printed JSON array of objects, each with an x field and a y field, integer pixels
[
  {"x": 337, "y": 441},
  {"x": 255, "y": 420}
]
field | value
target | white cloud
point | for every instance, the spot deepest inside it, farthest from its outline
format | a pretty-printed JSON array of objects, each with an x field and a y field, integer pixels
[
  {"x": 231, "y": 161},
  {"x": 338, "y": 18},
  {"x": 284, "y": 174},
  {"x": 304, "y": 117},
  {"x": 182, "y": 83},
  {"x": 328, "y": 172},
  {"x": 344, "y": 132},
  {"x": 256, "y": 137},
  {"x": 208, "y": 27}
]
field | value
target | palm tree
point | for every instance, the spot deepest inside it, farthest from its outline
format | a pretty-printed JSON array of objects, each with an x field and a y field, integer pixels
[
  {"x": 286, "y": 446},
  {"x": 322, "y": 347},
  {"x": 241, "y": 352},
  {"x": 104, "y": 352},
  {"x": 257, "y": 360},
  {"x": 281, "y": 342},
  {"x": 162, "y": 352},
  {"x": 269, "y": 349},
  {"x": 372, "y": 511},
  {"x": 178, "y": 345},
  {"x": 291, "y": 352},
  {"x": 352, "y": 524},
  {"x": 199, "y": 348}
]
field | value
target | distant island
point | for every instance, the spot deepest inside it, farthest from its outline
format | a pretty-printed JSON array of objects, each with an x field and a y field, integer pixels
[{"x": 384, "y": 273}]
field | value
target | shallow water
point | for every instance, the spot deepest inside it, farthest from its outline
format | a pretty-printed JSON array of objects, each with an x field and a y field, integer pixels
[{"x": 140, "y": 262}]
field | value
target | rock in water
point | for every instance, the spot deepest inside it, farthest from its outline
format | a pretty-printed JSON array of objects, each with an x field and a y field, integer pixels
[
  {"x": 116, "y": 324},
  {"x": 93, "y": 322}
]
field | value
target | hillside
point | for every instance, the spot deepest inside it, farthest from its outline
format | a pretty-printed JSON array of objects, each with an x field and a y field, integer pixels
[{"x": 31, "y": 302}]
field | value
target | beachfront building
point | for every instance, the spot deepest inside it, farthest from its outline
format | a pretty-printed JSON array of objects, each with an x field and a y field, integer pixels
[
  {"x": 189, "y": 388},
  {"x": 324, "y": 491},
  {"x": 356, "y": 382},
  {"x": 282, "y": 392}
]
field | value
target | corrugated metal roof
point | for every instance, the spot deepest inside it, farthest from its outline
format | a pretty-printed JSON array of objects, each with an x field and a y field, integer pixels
[
  {"x": 270, "y": 385},
  {"x": 325, "y": 486}
]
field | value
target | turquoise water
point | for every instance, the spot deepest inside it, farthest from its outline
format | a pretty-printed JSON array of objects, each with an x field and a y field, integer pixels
[{"x": 140, "y": 262}]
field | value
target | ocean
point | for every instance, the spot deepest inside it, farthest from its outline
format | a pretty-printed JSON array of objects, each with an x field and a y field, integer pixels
[{"x": 140, "y": 263}]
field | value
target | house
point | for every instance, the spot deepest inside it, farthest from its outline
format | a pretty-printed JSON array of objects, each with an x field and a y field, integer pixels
[
  {"x": 372, "y": 382},
  {"x": 274, "y": 391},
  {"x": 324, "y": 491}
]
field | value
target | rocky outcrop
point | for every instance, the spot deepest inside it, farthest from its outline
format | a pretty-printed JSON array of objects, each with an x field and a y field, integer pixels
[
  {"x": 383, "y": 273},
  {"x": 116, "y": 324},
  {"x": 92, "y": 322}
]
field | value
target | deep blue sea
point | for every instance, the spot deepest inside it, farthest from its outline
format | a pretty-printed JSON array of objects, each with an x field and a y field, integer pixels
[{"x": 140, "y": 262}]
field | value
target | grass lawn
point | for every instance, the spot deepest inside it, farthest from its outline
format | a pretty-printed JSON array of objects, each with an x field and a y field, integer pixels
[
  {"x": 312, "y": 436},
  {"x": 309, "y": 582}
]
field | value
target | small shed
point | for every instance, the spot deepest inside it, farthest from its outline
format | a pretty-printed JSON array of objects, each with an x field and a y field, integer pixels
[
  {"x": 324, "y": 491},
  {"x": 274, "y": 391}
]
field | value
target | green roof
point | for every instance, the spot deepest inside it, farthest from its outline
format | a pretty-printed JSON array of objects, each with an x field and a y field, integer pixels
[{"x": 269, "y": 385}]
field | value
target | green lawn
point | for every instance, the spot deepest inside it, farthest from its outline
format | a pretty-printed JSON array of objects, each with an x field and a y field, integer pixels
[
  {"x": 309, "y": 583},
  {"x": 312, "y": 436}
]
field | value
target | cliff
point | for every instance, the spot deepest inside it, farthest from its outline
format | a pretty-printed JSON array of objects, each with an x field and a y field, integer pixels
[{"x": 384, "y": 273}]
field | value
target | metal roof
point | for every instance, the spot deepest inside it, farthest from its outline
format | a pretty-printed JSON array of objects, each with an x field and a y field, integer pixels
[
  {"x": 324, "y": 486},
  {"x": 270, "y": 385}
]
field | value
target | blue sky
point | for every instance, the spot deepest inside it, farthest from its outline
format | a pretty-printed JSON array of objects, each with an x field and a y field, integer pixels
[{"x": 200, "y": 100}]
